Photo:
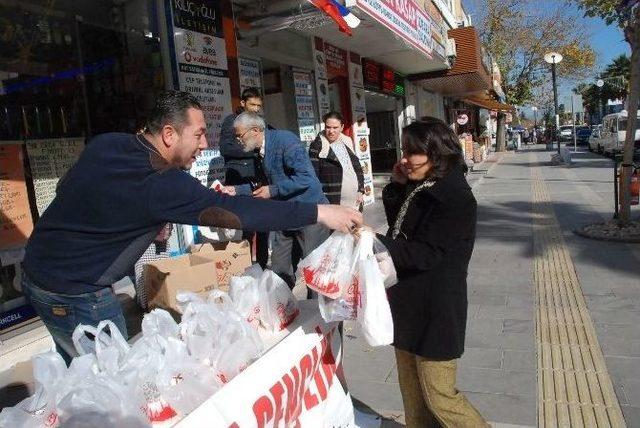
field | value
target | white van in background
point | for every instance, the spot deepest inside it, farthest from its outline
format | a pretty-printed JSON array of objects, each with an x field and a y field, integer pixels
[{"x": 614, "y": 132}]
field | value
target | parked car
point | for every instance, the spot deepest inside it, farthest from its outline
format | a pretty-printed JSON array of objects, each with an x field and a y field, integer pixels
[
  {"x": 582, "y": 135},
  {"x": 566, "y": 133},
  {"x": 614, "y": 132}
]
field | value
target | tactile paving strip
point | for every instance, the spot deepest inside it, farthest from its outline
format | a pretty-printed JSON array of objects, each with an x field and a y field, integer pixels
[{"x": 574, "y": 387}]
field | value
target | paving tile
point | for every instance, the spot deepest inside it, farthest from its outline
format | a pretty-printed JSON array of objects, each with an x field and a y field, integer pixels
[
  {"x": 622, "y": 330},
  {"x": 379, "y": 396},
  {"x": 521, "y": 361},
  {"x": 623, "y": 368},
  {"x": 631, "y": 416},
  {"x": 619, "y": 346},
  {"x": 492, "y": 311},
  {"x": 517, "y": 326},
  {"x": 482, "y": 358},
  {"x": 496, "y": 381},
  {"x": 632, "y": 391},
  {"x": 484, "y": 298},
  {"x": 510, "y": 409}
]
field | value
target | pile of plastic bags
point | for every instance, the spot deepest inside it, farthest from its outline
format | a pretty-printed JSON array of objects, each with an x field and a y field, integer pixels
[
  {"x": 169, "y": 371},
  {"x": 350, "y": 278}
]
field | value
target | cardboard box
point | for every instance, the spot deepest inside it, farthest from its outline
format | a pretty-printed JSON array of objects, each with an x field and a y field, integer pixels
[
  {"x": 209, "y": 266},
  {"x": 230, "y": 258}
]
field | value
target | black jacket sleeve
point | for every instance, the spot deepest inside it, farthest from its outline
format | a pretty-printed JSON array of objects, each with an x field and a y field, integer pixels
[
  {"x": 314, "y": 155},
  {"x": 393, "y": 195}
]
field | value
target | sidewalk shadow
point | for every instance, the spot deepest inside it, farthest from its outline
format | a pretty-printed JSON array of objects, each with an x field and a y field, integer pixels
[{"x": 387, "y": 420}]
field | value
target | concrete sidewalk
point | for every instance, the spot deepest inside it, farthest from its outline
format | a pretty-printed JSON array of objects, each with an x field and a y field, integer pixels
[{"x": 499, "y": 370}]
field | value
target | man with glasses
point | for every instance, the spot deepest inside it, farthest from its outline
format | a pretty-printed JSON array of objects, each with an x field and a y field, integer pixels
[
  {"x": 243, "y": 167},
  {"x": 290, "y": 177}
]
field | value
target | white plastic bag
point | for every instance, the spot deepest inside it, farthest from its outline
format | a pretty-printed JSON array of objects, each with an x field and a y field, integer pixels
[
  {"x": 374, "y": 313},
  {"x": 282, "y": 306},
  {"x": 110, "y": 348},
  {"x": 326, "y": 270},
  {"x": 248, "y": 298},
  {"x": 385, "y": 263}
]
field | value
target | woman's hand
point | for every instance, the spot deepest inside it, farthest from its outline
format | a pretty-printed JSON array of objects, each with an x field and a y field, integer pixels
[{"x": 399, "y": 174}]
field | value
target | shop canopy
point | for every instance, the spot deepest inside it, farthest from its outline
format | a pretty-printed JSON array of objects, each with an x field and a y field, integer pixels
[{"x": 487, "y": 100}]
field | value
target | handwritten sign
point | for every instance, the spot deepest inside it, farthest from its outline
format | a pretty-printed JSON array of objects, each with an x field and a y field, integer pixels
[
  {"x": 50, "y": 159},
  {"x": 16, "y": 223}
]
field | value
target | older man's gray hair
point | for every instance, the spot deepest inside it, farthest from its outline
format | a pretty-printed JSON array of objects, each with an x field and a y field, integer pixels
[{"x": 248, "y": 120}]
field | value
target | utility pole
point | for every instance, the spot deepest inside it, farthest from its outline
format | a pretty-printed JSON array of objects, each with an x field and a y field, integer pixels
[{"x": 573, "y": 122}]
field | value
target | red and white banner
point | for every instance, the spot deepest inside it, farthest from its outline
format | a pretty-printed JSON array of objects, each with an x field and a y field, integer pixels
[{"x": 297, "y": 383}]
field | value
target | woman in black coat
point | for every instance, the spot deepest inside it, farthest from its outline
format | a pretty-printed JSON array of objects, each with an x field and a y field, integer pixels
[{"x": 431, "y": 213}]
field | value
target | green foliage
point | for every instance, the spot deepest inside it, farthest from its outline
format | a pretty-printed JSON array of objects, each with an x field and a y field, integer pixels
[{"x": 518, "y": 33}]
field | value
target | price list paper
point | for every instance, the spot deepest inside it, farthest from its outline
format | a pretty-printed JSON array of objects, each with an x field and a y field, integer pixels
[
  {"x": 50, "y": 159},
  {"x": 16, "y": 223}
]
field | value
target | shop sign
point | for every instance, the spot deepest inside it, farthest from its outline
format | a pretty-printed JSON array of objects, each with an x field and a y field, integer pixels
[
  {"x": 16, "y": 223},
  {"x": 304, "y": 105},
  {"x": 378, "y": 77},
  {"x": 360, "y": 127},
  {"x": 336, "y": 60},
  {"x": 405, "y": 18},
  {"x": 250, "y": 71},
  {"x": 50, "y": 159},
  {"x": 198, "y": 15},
  {"x": 322, "y": 84},
  {"x": 202, "y": 68},
  {"x": 462, "y": 119}
]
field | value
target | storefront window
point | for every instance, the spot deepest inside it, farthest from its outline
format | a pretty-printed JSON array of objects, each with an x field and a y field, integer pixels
[{"x": 68, "y": 71}]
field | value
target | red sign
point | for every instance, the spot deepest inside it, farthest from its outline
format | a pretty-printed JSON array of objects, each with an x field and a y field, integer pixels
[
  {"x": 15, "y": 215},
  {"x": 336, "y": 60}
]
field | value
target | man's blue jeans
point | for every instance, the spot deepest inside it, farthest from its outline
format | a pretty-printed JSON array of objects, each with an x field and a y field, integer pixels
[{"x": 62, "y": 313}]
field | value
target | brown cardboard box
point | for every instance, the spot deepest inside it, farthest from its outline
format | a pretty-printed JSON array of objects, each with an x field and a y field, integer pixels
[
  {"x": 209, "y": 266},
  {"x": 230, "y": 258}
]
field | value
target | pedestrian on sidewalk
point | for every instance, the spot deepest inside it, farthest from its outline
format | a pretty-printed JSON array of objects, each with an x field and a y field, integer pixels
[
  {"x": 431, "y": 213},
  {"x": 338, "y": 168},
  {"x": 290, "y": 178},
  {"x": 111, "y": 205}
]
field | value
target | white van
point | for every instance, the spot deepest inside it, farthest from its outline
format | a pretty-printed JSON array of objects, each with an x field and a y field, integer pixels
[{"x": 614, "y": 132}]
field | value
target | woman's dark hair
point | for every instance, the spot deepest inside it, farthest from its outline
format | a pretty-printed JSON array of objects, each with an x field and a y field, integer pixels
[
  {"x": 333, "y": 115},
  {"x": 251, "y": 93},
  {"x": 432, "y": 137},
  {"x": 171, "y": 109}
]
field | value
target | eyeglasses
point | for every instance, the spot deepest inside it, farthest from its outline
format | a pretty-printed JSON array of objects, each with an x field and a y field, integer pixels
[{"x": 241, "y": 136}]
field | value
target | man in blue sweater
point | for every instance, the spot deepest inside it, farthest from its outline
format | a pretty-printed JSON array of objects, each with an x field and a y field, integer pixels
[
  {"x": 114, "y": 200},
  {"x": 290, "y": 177}
]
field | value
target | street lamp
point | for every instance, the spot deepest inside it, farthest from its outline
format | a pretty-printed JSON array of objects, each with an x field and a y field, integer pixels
[
  {"x": 554, "y": 58},
  {"x": 600, "y": 84}
]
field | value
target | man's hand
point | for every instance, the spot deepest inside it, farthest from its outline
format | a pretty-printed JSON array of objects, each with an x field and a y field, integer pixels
[
  {"x": 262, "y": 192},
  {"x": 337, "y": 217},
  {"x": 359, "y": 198},
  {"x": 399, "y": 173},
  {"x": 228, "y": 190}
]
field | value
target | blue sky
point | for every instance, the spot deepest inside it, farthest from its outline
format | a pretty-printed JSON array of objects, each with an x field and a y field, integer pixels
[{"x": 607, "y": 41}]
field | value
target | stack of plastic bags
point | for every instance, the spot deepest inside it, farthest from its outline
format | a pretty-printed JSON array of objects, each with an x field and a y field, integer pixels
[
  {"x": 166, "y": 373},
  {"x": 351, "y": 278}
]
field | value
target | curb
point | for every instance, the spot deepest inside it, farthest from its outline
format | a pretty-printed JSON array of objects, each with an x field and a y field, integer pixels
[{"x": 630, "y": 240}]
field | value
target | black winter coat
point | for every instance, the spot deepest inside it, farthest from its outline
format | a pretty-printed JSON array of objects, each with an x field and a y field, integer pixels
[{"x": 431, "y": 256}]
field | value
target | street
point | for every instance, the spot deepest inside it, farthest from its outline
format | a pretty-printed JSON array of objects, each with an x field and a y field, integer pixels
[{"x": 544, "y": 304}]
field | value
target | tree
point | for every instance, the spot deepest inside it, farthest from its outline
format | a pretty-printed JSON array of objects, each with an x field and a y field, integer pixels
[
  {"x": 626, "y": 14},
  {"x": 518, "y": 33}
]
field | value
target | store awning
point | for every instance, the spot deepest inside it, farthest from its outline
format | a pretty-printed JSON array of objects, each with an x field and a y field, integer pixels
[
  {"x": 471, "y": 71},
  {"x": 487, "y": 101}
]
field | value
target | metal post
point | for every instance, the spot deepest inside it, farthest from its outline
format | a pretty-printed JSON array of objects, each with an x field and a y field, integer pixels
[
  {"x": 573, "y": 122},
  {"x": 555, "y": 103},
  {"x": 615, "y": 186}
]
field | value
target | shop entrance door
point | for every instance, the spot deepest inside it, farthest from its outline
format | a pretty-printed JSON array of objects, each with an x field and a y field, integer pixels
[{"x": 383, "y": 138}]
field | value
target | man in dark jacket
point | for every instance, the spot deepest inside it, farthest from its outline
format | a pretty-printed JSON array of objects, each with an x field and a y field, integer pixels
[
  {"x": 290, "y": 177},
  {"x": 242, "y": 167},
  {"x": 113, "y": 202}
]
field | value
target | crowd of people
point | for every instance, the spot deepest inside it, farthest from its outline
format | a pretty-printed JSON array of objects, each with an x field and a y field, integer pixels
[{"x": 125, "y": 188}]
